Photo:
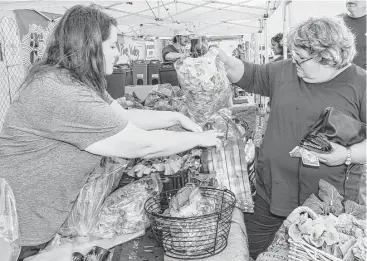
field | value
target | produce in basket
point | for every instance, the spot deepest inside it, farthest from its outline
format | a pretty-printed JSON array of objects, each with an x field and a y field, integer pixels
[
  {"x": 330, "y": 195},
  {"x": 123, "y": 211},
  {"x": 332, "y": 235},
  {"x": 189, "y": 236},
  {"x": 190, "y": 202}
]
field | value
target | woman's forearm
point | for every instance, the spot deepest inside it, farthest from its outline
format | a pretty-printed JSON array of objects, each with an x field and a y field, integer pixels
[
  {"x": 133, "y": 142},
  {"x": 234, "y": 67},
  {"x": 148, "y": 119},
  {"x": 358, "y": 152},
  {"x": 151, "y": 120}
]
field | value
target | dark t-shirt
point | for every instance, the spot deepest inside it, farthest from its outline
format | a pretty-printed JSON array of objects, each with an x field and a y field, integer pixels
[
  {"x": 358, "y": 27},
  {"x": 42, "y": 152},
  {"x": 296, "y": 106},
  {"x": 168, "y": 49}
]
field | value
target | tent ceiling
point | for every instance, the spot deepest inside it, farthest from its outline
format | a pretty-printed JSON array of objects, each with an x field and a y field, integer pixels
[{"x": 159, "y": 18}]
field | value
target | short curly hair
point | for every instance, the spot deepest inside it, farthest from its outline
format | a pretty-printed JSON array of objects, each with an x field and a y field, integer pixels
[
  {"x": 278, "y": 38},
  {"x": 328, "y": 39}
]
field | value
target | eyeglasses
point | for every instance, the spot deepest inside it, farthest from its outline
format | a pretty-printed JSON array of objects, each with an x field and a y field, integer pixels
[{"x": 298, "y": 60}]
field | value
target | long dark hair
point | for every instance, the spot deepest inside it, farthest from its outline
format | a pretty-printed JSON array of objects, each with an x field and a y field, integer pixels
[{"x": 75, "y": 47}]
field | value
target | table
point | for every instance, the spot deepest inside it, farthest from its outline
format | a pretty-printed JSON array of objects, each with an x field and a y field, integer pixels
[{"x": 144, "y": 248}]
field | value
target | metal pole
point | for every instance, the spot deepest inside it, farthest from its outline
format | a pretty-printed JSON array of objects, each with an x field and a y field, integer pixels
[
  {"x": 256, "y": 51},
  {"x": 266, "y": 40},
  {"x": 286, "y": 21}
]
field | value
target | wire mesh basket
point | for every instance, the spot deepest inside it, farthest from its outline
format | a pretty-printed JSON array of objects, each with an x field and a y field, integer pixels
[{"x": 192, "y": 237}]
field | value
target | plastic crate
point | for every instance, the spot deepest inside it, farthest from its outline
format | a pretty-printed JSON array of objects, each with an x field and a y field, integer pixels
[
  {"x": 153, "y": 72},
  {"x": 168, "y": 74}
]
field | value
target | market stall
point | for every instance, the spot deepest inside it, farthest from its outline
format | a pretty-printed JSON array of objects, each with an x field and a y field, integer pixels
[{"x": 189, "y": 205}]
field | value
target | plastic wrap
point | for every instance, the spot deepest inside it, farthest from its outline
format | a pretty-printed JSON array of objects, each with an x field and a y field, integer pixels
[
  {"x": 9, "y": 231},
  {"x": 228, "y": 161},
  {"x": 84, "y": 215},
  {"x": 123, "y": 211},
  {"x": 205, "y": 85}
]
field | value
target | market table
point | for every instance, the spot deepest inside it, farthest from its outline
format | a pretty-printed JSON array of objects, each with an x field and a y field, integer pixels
[{"x": 144, "y": 248}]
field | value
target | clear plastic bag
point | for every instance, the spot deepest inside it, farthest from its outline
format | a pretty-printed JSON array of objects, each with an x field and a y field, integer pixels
[
  {"x": 228, "y": 161},
  {"x": 84, "y": 215},
  {"x": 205, "y": 85},
  {"x": 123, "y": 211},
  {"x": 9, "y": 230}
]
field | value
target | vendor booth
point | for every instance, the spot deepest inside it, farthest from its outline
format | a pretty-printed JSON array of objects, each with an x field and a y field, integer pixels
[{"x": 187, "y": 206}]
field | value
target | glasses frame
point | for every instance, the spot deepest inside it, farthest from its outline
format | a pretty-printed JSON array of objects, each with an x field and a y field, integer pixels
[{"x": 298, "y": 60}]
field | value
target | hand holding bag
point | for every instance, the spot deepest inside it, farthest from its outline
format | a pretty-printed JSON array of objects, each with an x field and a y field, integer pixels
[{"x": 334, "y": 126}]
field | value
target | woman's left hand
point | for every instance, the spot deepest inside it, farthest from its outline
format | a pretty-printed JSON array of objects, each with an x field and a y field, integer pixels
[
  {"x": 188, "y": 124},
  {"x": 336, "y": 157}
]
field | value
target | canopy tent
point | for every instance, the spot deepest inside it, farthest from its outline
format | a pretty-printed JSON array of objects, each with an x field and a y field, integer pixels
[{"x": 159, "y": 18}]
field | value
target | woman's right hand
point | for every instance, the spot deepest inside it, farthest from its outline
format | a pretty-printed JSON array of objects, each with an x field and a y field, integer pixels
[{"x": 210, "y": 138}]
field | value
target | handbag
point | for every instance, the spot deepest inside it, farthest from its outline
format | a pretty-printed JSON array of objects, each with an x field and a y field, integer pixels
[{"x": 333, "y": 126}]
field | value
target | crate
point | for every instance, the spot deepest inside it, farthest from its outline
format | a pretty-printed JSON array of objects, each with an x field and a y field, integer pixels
[
  {"x": 140, "y": 72},
  {"x": 116, "y": 82},
  {"x": 153, "y": 72},
  {"x": 168, "y": 74}
]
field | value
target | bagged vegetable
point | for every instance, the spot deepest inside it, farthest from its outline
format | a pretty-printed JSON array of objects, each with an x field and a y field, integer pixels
[
  {"x": 9, "y": 230},
  {"x": 228, "y": 161},
  {"x": 191, "y": 202},
  {"x": 123, "y": 211},
  {"x": 205, "y": 85},
  {"x": 84, "y": 215}
]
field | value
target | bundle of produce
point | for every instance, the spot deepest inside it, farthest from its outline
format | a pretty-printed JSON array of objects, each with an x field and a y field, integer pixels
[
  {"x": 130, "y": 101},
  {"x": 189, "y": 235},
  {"x": 246, "y": 117},
  {"x": 123, "y": 211},
  {"x": 346, "y": 216},
  {"x": 188, "y": 161},
  {"x": 205, "y": 85},
  {"x": 327, "y": 235},
  {"x": 165, "y": 97},
  {"x": 84, "y": 214},
  {"x": 228, "y": 161},
  {"x": 330, "y": 201}
]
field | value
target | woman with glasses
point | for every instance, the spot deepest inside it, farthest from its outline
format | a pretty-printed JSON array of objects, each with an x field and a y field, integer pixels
[{"x": 319, "y": 75}]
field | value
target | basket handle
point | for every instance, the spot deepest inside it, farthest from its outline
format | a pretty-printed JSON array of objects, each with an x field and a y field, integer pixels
[{"x": 296, "y": 213}]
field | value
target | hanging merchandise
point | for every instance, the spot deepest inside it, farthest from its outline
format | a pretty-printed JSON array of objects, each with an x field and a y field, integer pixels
[{"x": 205, "y": 84}]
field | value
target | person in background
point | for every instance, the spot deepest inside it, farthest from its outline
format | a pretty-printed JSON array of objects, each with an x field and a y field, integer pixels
[
  {"x": 277, "y": 47},
  {"x": 355, "y": 19},
  {"x": 239, "y": 52},
  {"x": 319, "y": 75},
  {"x": 177, "y": 50},
  {"x": 63, "y": 121}
]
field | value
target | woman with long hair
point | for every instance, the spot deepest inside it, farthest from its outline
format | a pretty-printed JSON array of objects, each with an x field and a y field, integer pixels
[{"x": 63, "y": 121}]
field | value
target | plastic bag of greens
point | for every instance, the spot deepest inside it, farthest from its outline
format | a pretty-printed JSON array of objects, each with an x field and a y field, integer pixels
[
  {"x": 99, "y": 186},
  {"x": 205, "y": 85},
  {"x": 228, "y": 161},
  {"x": 9, "y": 231},
  {"x": 123, "y": 211}
]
